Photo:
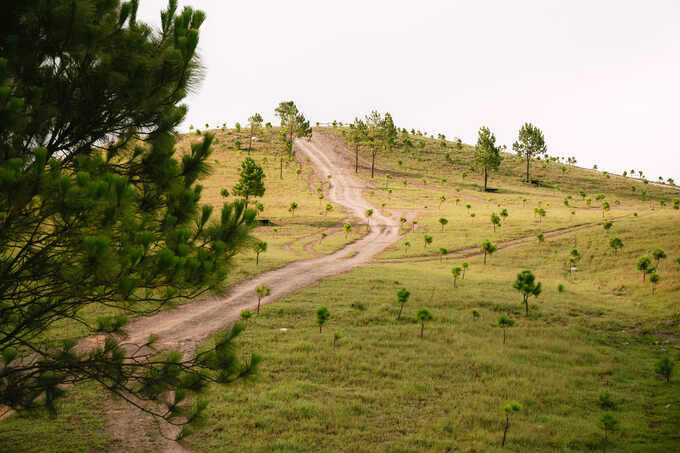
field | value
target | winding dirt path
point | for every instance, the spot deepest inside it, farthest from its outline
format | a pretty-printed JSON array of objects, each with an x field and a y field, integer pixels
[{"x": 188, "y": 326}]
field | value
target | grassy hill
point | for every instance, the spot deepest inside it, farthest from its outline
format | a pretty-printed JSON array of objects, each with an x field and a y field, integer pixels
[{"x": 580, "y": 352}]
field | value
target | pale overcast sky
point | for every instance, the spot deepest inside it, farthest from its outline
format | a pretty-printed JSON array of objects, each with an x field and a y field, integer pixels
[{"x": 600, "y": 78}]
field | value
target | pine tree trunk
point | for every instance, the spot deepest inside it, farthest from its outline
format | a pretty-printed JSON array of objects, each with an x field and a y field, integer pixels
[
  {"x": 422, "y": 328},
  {"x": 486, "y": 177},
  {"x": 281, "y": 168},
  {"x": 484, "y": 256},
  {"x": 503, "y": 335},
  {"x": 400, "y": 310},
  {"x": 258, "y": 304},
  {"x": 527, "y": 168},
  {"x": 526, "y": 304},
  {"x": 257, "y": 258},
  {"x": 250, "y": 140}
]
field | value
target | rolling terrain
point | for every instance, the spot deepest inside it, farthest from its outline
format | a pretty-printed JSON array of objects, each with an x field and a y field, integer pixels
[{"x": 367, "y": 381}]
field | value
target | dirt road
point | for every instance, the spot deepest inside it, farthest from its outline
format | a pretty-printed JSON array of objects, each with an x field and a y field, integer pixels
[{"x": 188, "y": 326}]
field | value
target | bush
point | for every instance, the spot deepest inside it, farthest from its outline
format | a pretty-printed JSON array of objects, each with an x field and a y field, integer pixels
[
  {"x": 111, "y": 324},
  {"x": 606, "y": 401}
]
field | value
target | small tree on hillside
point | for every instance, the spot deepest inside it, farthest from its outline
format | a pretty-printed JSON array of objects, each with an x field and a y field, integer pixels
[
  {"x": 250, "y": 183},
  {"x": 322, "y": 315},
  {"x": 607, "y": 225},
  {"x": 348, "y": 229},
  {"x": 442, "y": 221},
  {"x": 357, "y": 137},
  {"x": 504, "y": 214},
  {"x": 495, "y": 221},
  {"x": 262, "y": 292},
  {"x": 541, "y": 238},
  {"x": 487, "y": 155},
  {"x": 643, "y": 266},
  {"x": 293, "y": 206},
  {"x": 530, "y": 143},
  {"x": 381, "y": 134},
  {"x": 605, "y": 207},
  {"x": 442, "y": 253},
  {"x": 369, "y": 213},
  {"x": 664, "y": 368},
  {"x": 654, "y": 280},
  {"x": 609, "y": 424},
  {"x": 402, "y": 297},
  {"x": 259, "y": 247},
  {"x": 407, "y": 244},
  {"x": 509, "y": 408},
  {"x": 293, "y": 125},
  {"x": 616, "y": 244},
  {"x": 245, "y": 316},
  {"x": 428, "y": 240},
  {"x": 540, "y": 213},
  {"x": 456, "y": 272},
  {"x": 659, "y": 255},
  {"x": 465, "y": 268},
  {"x": 255, "y": 122},
  {"x": 488, "y": 248},
  {"x": 423, "y": 315},
  {"x": 526, "y": 284},
  {"x": 505, "y": 322}
]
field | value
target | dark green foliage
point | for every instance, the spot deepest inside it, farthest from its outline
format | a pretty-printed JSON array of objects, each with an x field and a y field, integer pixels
[
  {"x": 664, "y": 367},
  {"x": 250, "y": 183},
  {"x": 659, "y": 255},
  {"x": 643, "y": 265},
  {"x": 487, "y": 155},
  {"x": 293, "y": 125},
  {"x": 504, "y": 322},
  {"x": 616, "y": 244},
  {"x": 111, "y": 323},
  {"x": 423, "y": 315},
  {"x": 526, "y": 284},
  {"x": 96, "y": 207},
  {"x": 488, "y": 248},
  {"x": 609, "y": 424},
  {"x": 530, "y": 143},
  {"x": 259, "y": 247},
  {"x": 495, "y": 220},
  {"x": 509, "y": 408},
  {"x": 322, "y": 315},
  {"x": 402, "y": 298},
  {"x": 606, "y": 401},
  {"x": 456, "y": 272},
  {"x": 378, "y": 133}
]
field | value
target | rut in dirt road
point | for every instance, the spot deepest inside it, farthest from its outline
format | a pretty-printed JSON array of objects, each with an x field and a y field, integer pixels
[{"x": 188, "y": 326}]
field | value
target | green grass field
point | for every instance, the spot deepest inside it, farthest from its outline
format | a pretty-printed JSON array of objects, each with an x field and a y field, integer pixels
[{"x": 381, "y": 387}]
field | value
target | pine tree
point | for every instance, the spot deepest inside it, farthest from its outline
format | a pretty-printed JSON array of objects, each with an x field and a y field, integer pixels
[
  {"x": 293, "y": 125},
  {"x": 487, "y": 155},
  {"x": 530, "y": 143},
  {"x": 96, "y": 207},
  {"x": 250, "y": 183}
]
